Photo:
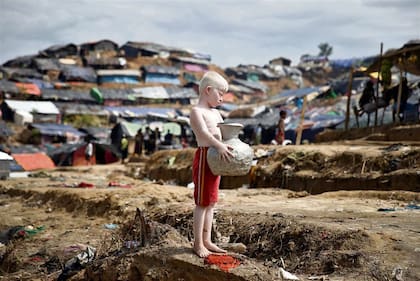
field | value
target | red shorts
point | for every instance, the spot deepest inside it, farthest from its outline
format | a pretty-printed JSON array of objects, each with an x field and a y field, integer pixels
[{"x": 206, "y": 184}]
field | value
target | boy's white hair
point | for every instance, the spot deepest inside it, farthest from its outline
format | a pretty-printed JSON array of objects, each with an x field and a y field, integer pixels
[{"x": 213, "y": 79}]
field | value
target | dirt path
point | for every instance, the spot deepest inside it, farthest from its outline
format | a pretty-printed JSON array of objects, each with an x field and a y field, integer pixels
[{"x": 340, "y": 235}]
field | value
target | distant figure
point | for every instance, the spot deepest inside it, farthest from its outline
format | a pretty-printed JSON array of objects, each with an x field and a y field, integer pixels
[
  {"x": 147, "y": 140},
  {"x": 124, "y": 148},
  {"x": 168, "y": 138},
  {"x": 138, "y": 149},
  {"x": 88, "y": 152},
  {"x": 368, "y": 97},
  {"x": 281, "y": 127},
  {"x": 392, "y": 94},
  {"x": 155, "y": 140},
  {"x": 257, "y": 134}
]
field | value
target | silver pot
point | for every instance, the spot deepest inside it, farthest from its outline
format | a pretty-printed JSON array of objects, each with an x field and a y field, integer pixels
[{"x": 241, "y": 162}]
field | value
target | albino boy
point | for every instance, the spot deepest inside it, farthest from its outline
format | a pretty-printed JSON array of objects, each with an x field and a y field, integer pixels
[{"x": 204, "y": 119}]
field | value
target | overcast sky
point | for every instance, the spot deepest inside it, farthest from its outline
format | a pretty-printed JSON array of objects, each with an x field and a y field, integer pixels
[{"x": 232, "y": 31}]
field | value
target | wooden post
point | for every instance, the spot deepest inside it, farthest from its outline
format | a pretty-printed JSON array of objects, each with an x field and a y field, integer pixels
[
  {"x": 349, "y": 99},
  {"x": 399, "y": 96},
  {"x": 377, "y": 85},
  {"x": 302, "y": 117}
]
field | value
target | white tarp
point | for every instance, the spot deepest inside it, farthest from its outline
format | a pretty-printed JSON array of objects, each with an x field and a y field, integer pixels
[{"x": 41, "y": 107}]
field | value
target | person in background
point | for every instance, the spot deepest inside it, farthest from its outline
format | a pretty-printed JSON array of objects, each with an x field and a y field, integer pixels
[
  {"x": 204, "y": 118},
  {"x": 124, "y": 148},
  {"x": 367, "y": 97},
  {"x": 281, "y": 127},
  {"x": 257, "y": 134},
  {"x": 89, "y": 152},
  {"x": 138, "y": 149}
]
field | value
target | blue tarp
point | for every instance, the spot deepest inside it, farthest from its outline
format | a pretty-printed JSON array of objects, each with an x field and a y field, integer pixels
[{"x": 57, "y": 130}]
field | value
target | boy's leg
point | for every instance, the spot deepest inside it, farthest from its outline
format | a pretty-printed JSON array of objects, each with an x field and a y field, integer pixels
[
  {"x": 198, "y": 226},
  {"x": 208, "y": 222}
]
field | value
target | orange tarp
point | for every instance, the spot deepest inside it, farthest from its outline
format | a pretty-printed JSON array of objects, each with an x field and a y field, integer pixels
[
  {"x": 29, "y": 88},
  {"x": 229, "y": 97},
  {"x": 34, "y": 161}
]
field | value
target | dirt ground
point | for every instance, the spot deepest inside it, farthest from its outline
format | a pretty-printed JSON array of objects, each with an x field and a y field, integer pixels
[{"x": 135, "y": 222}]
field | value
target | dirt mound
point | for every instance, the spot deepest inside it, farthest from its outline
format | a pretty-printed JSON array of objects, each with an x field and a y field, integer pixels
[{"x": 310, "y": 168}]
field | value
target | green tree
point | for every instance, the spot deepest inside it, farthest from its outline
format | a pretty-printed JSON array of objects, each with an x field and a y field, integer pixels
[{"x": 325, "y": 49}]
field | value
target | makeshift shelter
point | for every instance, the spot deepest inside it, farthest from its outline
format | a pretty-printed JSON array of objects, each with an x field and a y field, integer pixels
[
  {"x": 406, "y": 58},
  {"x": 78, "y": 74},
  {"x": 147, "y": 94},
  {"x": 124, "y": 76},
  {"x": 99, "y": 134},
  {"x": 20, "y": 62},
  {"x": 40, "y": 111},
  {"x": 60, "y": 51},
  {"x": 57, "y": 133},
  {"x": 160, "y": 74},
  {"x": 105, "y": 62},
  {"x": 191, "y": 64},
  {"x": 8, "y": 87},
  {"x": 135, "y": 49},
  {"x": 74, "y": 154},
  {"x": 29, "y": 88},
  {"x": 113, "y": 97},
  {"x": 34, "y": 161},
  {"x": 67, "y": 95},
  {"x": 5, "y": 160},
  {"x": 181, "y": 95},
  {"x": 293, "y": 94},
  {"x": 98, "y": 47},
  {"x": 5, "y": 132},
  {"x": 14, "y": 73}
]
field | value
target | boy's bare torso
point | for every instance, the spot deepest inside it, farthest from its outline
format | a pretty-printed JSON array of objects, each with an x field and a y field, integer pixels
[{"x": 206, "y": 119}]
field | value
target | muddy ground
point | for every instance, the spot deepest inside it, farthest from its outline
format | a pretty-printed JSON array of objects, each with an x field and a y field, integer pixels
[{"x": 345, "y": 211}]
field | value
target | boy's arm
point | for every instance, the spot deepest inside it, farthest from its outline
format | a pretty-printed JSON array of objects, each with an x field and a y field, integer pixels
[{"x": 201, "y": 132}]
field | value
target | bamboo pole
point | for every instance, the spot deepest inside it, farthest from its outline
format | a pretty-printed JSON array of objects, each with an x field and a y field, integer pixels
[
  {"x": 377, "y": 85},
  {"x": 302, "y": 117},
  {"x": 399, "y": 97},
  {"x": 349, "y": 87}
]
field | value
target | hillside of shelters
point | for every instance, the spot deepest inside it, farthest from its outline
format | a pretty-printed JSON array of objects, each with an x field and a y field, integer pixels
[{"x": 56, "y": 101}]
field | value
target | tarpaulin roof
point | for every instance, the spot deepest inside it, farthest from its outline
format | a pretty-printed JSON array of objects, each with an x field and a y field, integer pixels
[
  {"x": 151, "y": 93},
  {"x": 66, "y": 95},
  {"x": 130, "y": 129},
  {"x": 84, "y": 109},
  {"x": 118, "y": 72},
  {"x": 251, "y": 84},
  {"x": 125, "y": 94},
  {"x": 29, "y": 88},
  {"x": 57, "y": 129},
  {"x": 42, "y": 107},
  {"x": 160, "y": 69},
  {"x": 45, "y": 64},
  {"x": 181, "y": 93},
  {"x": 191, "y": 60},
  {"x": 8, "y": 86},
  {"x": 142, "y": 112},
  {"x": 34, "y": 161},
  {"x": 12, "y": 72},
  {"x": 5, "y": 156},
  {"x": 311, "y": 92},
  {"x": 22, "y": 61},
  {"x": 5, "y": 131},
  {"x": 77, "y": 73},
  {"x": 406, "y": 58}
]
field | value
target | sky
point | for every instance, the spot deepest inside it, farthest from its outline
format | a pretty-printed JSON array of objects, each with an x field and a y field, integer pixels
[{"x": 233, "y": 32}]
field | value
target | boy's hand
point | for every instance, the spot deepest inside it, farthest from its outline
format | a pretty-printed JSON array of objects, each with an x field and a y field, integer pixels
[{"x": 224, "y": 151}]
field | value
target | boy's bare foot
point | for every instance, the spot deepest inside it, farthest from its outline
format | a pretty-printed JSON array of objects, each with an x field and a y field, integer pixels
[
  {"x": 214, "y": 248},
  {"x": 202, "y": 252}
]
